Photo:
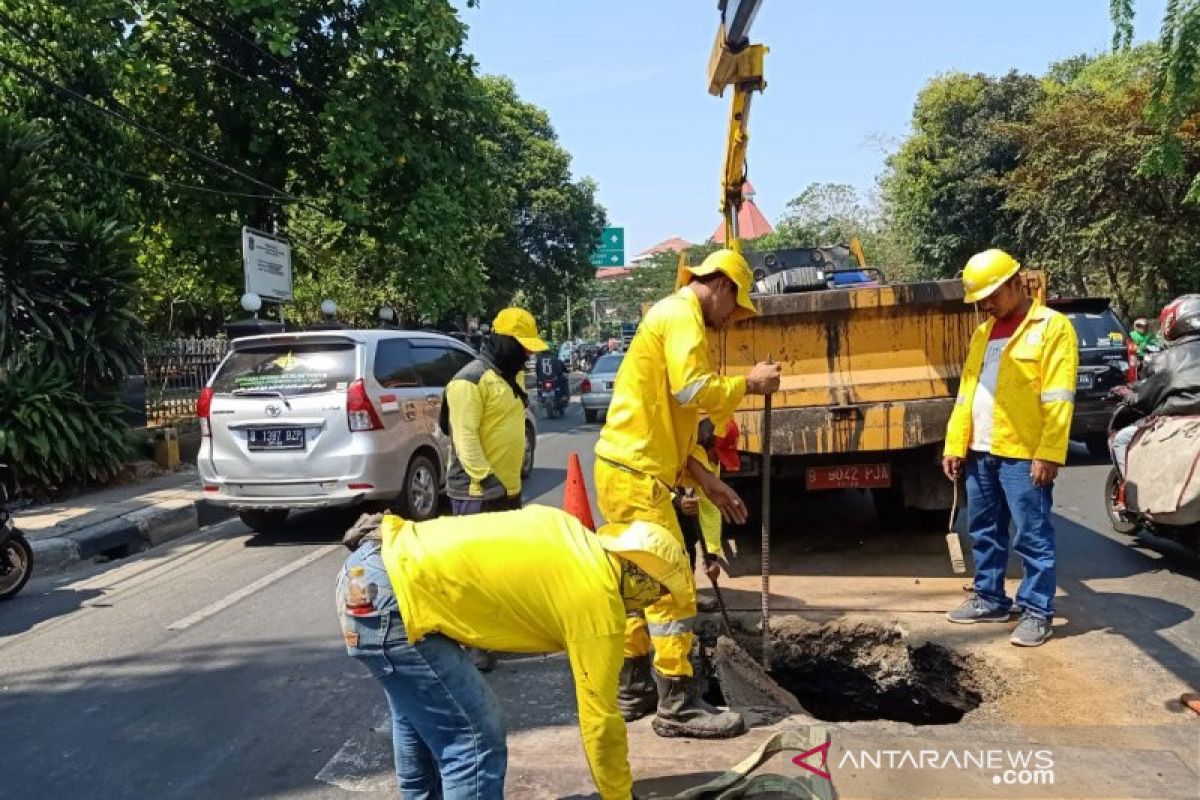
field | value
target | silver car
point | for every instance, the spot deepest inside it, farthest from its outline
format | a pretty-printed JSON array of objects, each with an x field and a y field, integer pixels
[
  {"x": 596, "y": 391},
  {"x": 329, "y": 418}
]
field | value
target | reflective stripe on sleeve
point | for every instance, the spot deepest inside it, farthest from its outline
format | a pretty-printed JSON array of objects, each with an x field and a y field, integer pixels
[
  {"x": 689, "y": 392},
  {"x": 674, "y": 627},
  {"x": 1059, "y": 396}
]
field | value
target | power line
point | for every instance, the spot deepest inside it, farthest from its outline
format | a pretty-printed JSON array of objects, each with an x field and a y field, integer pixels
[
  {"x": 155, "y": 179},
  {"x": 154, "y": 133}
]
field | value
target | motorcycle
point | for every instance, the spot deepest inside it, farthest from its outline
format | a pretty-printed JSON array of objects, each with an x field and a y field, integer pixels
[
  {"x": 1122, "y": 506},
  {"x": 551, "y": 400},
  {"x": 16, "y": 556}
]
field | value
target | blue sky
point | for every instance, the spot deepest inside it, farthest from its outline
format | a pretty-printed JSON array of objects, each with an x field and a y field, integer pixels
[{"x": 624, "y": 83}]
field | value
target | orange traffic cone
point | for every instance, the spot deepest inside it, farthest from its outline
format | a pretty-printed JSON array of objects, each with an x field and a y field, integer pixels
[{"x": 575, "y": 500}]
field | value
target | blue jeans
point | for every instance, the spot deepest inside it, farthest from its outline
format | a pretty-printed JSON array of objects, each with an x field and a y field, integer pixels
[
  {"x": 1000, "y": 491},
  {"x": 1120, "y": 446},
  {"x": 447, "y": 731}
]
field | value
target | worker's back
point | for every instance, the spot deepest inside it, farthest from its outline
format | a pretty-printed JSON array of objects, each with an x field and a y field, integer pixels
[{"x": 520, "y": 581}]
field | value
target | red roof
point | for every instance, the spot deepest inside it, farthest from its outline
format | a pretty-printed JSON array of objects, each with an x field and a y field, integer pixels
[
  {"x": 610, "y": 273},
  {"x": 751, "y": 222},
  {"x": 672, "y": 245}
]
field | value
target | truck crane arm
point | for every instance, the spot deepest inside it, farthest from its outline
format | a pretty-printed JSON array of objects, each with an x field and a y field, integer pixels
[{"x": 738, "y": 64}]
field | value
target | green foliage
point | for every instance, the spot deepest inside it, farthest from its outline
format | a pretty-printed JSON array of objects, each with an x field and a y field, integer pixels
[
  {"x": 943, "y": 188},
  {"x": 1121, "y": 12},
  {"x": 1084, "y": 210},
  {"x": 1175, "y": 96},
  {"x": 360, "y": 130},
  {"x": 51, "y": 434},
  {"x": 67, "y": 330}
]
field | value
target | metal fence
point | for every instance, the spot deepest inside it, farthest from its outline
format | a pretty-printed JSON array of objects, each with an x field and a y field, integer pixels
[{"x": 176, "y": 371}]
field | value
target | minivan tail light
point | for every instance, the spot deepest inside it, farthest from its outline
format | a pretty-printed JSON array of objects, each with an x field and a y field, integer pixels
[
  {"x": 585, "y": 387},
  {"x": 359, "y": 411},
  {"x": 204, "y": 410}
]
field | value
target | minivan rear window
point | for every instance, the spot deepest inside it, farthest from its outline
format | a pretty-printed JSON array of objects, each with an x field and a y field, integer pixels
[
  {"x": 293, "y": 369},
  {"x": 1098, "y": 329}
]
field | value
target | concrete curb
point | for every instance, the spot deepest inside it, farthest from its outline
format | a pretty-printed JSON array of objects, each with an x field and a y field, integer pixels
[{"x": 123, "y": 536}]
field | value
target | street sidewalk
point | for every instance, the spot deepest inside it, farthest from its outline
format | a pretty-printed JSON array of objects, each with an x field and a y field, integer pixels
[{"x": 116, "y": 521}]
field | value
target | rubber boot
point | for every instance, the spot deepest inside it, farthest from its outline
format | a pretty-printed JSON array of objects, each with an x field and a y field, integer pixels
[
  {"x": 636, "y": 696},
  {"x": 682, "y": 712}
]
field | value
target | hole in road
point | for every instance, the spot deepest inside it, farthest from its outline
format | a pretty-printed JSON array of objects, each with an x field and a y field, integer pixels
[{"x": 848, "y": 671}]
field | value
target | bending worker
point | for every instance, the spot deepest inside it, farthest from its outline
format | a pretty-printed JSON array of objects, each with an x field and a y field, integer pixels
[
  {"x": 664, "y": 383},
  {"x": 534, "y": 581}
]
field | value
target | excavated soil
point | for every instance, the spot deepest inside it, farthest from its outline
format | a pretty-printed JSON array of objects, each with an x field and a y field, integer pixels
[{"x": 845, "y": 670}]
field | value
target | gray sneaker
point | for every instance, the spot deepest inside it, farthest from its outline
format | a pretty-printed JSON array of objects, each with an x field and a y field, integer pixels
[
  {"x": 976, "y": 609},
  {"x": 1031, "y": 631}
]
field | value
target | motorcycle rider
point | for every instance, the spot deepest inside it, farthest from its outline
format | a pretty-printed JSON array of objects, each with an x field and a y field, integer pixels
[
  {"x": 1173, "y": 387},
  {"x": 550, "y": 367},
  {"x": 1142, "y": 336}
]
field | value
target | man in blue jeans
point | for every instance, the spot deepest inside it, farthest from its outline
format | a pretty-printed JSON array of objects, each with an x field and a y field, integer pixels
[
  {"x": 1008, "y": 435},
  {"x": 534, "y": 580}
]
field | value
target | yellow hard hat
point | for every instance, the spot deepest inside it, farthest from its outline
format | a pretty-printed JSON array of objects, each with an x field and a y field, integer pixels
[
  {"x": 986, "y": 272},
  {"x": 519, "y": 324},
  {"x": 653, "y": 548},
  {"x": 734, "y": 267}
]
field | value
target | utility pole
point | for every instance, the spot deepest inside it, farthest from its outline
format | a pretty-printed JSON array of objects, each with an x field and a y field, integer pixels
[{"x": 569, "y": 337}]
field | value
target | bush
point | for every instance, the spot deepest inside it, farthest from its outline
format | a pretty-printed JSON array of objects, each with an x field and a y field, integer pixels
[
  {"x": 51, "y": 435},
  {"x": 68, "y": 334}
]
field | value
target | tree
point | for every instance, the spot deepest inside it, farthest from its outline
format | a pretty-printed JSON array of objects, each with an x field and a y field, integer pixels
[
  {"x": 68, "y": 334},
  {"x": 1084, "y": 210},
  {"x": 822, "y": 214},
  {"x": 943, "y": 188},
  {"x": 548, "y": 224},
  {"x": 1175, "y": 93}
]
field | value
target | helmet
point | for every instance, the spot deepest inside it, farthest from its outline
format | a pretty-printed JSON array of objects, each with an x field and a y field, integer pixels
[
  {"x": 519, "y": 324},
  {"x": 1180, "y": 317},
  {"x": 733, "y": 266},
  {"x": 1141, "y": 322},
  {"x": 986, "y": 272},
  {"x": 653, "y": 548}
]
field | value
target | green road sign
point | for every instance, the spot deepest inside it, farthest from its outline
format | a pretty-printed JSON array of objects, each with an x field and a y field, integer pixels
[{"x": 610, "y": 248}]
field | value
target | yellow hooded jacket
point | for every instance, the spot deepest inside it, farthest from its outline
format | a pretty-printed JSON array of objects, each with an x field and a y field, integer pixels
[
  {"x": 533, "y": 581},
  {"x": 1035, "y": 389},
  {"x": 663, "y": 384}
]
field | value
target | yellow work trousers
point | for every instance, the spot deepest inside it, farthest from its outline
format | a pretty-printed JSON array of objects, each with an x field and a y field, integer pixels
[{"x": 625, "y": 497}]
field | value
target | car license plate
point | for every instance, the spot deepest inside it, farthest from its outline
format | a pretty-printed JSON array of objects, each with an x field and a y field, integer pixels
[
  {"x": 276, "y": 438},
  {"x": 850, "y": 476},
  {"x": 1085, "y": 380},
  {"x": 609, "y": 385}
]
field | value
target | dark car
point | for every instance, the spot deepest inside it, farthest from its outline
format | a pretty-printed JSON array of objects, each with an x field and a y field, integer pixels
[{"x": 1103, "y": 364}]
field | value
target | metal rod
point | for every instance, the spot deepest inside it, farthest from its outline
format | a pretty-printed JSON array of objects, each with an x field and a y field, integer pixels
[{"x": 766, "y": 531}]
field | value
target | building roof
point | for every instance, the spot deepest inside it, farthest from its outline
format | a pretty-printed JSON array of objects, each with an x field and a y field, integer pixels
[
  {"x": 611, "y": 273},
  {"x": 674, "y": 244},
  {"x": 751, "y": 222}
]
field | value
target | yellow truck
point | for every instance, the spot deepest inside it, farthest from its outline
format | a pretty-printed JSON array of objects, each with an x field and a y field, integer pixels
[{"x": 869, "y": 380}]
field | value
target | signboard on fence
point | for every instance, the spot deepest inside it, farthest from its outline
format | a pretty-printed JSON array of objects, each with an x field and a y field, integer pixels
[{"x": 268, "y": 265}]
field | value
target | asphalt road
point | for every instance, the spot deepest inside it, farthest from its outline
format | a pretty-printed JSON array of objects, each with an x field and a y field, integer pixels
[{"x": 214, "y": 667}]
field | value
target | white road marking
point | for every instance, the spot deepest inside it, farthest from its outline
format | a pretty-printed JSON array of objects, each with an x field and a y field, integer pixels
[
  {"x": 249, "y": 589},
  {"x": 364, "y": 763}
]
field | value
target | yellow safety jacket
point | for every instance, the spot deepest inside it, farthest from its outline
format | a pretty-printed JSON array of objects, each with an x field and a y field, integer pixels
[
  {"x": 664, "y": 383},
  {"x": 1035, "y": 389},
  {"x": 487, "y": 433},
  {"x": 531, "y": 581}
]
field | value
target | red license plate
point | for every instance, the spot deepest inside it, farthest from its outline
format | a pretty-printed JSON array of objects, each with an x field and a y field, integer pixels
[{"x": 850, "y": 476}]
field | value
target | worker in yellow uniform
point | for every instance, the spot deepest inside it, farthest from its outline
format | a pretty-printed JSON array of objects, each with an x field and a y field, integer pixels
[
  {"x": 484, "y": 415},
  {"x": 1008, "y": 436},
  {"x": 662, "y": 386},
  {"x": 534, "y": 580}
]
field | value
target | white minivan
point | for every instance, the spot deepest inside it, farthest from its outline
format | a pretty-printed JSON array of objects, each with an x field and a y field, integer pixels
[{"x": 329, "y": 418}]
